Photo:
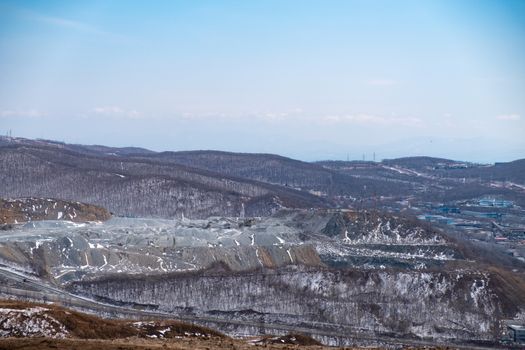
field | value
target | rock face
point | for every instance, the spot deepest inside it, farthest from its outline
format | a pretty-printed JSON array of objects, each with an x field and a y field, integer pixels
[
  {"x": 440, "y": 305},
  {"x": 71, "y": 258},
  {"x": 69, "y": 251},
  {"x": 22, "y": 210},
  {"x": 65, "y": 250}
]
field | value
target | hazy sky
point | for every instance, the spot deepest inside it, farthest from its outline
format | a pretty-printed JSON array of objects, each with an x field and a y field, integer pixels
[{"x": 307, "y": 79}]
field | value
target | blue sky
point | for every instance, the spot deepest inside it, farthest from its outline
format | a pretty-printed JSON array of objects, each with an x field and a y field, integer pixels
[{"x": 306, "y": 79}]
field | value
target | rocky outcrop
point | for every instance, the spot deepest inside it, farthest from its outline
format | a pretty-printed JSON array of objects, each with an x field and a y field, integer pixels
[
  {"x": 13, "y": 211},
  {"x": 373, "y": 227},
  {"x": 26, "y": 320}
]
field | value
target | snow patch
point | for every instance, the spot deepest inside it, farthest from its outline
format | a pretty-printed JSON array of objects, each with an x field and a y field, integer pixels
[{"x": 31, "y": 322}]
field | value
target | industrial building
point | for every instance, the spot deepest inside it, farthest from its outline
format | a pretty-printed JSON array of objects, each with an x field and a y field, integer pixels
[
  {"x": 497, "y": 203},
  {"x": 516, "y": 333}
]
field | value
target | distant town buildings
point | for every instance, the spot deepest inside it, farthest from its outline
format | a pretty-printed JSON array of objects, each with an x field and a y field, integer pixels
[
  {"x": 516, "y": 333},
  {"x": 496, "y": 203},
  {"x": 436, "y": 218}
]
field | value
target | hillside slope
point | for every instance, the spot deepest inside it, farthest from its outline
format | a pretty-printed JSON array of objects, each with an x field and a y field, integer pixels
[
  {"x": 138, "y": 182},
  {"x": 138, "y": 186}
]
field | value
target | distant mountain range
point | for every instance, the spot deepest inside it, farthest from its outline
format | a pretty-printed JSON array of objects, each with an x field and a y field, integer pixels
[{"x": 134, "y": 181}]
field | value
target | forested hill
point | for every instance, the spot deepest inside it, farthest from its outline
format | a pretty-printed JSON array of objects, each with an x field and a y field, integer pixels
[
  {"x": 138, "y": 185},
  {"x": 135, "y": 181}
]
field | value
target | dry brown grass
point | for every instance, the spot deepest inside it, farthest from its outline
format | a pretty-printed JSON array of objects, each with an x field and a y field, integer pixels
[
  {"x": 510, "y": 288},
  {"x": 84, "y": 326}
]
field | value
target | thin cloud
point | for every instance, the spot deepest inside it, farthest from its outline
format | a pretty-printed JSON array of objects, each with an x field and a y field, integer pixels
[
  {"x": 58, "y": 21},
  {"x": 67, "y": 23},
  {"x": 33, "y": 113},
  {"x": 115, "y": 111},
  {"x": 252, "y": 115},
  {"x": 370, "y": 119},
  {"x": 276, "y": 116},
  {"x": 509, "y": 117}
]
